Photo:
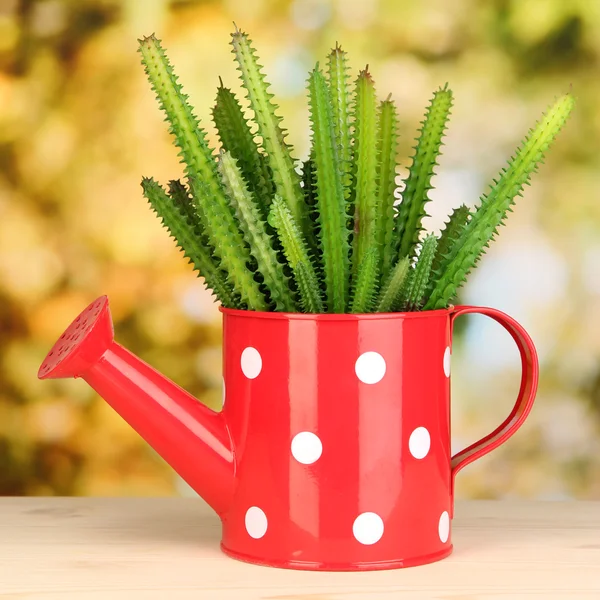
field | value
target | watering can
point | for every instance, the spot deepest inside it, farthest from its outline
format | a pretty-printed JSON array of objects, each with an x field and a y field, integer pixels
[{"x": 332, "y": 450}]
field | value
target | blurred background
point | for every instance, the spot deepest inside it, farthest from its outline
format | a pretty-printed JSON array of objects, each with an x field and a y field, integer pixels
[{"x": 79, "y": 126}]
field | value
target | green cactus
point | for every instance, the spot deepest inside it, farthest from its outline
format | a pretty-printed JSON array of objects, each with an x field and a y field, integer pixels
[
  {"x": 296, "y": 252},
  {"x": 285, "y": 178},
  {"x": 175, "y": 218},
  {"x": 326, "y": 239},
  {"x": 366, "y": 283},
  {"x": 387, "y": 148},
  {"x": 310, "y": 297},
  {"x": 494, "y": 207},
  {"x": 365, "y": 169},
  {"x": 416, "y": 284},
  {"x": 255, "y": 234},
  {"x": 418, "y": 183},
  {"x": 181, "y": 197},
  {"x": 448, "y": 236},
  {"x": 218, "y": 221},
  {"x": 337, "y": 78},
  {"x": 236, "y": 138},
  {"x": 330, "y": 196},
  {"x": 313, "y": 229},
  {"x": 309, "y": 189},
  {"x": 391, "y": 292}
]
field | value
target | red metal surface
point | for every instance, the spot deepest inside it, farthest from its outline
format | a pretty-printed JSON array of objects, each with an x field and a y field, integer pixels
[
  {"x": 333, "y": 447},
  {"x": 525, "y": 398},
  {"x": 192, "y": 438}
]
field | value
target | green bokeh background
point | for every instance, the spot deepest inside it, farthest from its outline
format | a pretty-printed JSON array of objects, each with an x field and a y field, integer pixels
[{"x": 79, "y": 127}]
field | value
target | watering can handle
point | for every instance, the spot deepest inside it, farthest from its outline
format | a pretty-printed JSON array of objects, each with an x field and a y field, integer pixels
[{"x": 524, "y": 403}]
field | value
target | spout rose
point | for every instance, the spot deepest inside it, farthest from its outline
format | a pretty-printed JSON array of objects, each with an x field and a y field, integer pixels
[
  {"x": 191, "y": 437},
  {"x": 82, "y": 344}
]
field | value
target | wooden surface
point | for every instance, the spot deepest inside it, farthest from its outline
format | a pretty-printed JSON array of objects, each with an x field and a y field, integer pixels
[{"x": 167, "y": 549}]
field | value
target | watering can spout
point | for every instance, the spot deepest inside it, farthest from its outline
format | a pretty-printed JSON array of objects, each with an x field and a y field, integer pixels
[{"x": 192, "y": 438}]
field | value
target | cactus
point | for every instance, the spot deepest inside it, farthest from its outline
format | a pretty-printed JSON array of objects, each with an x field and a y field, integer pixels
[
  {"x": 285, "y": 178},
  {"x": 236, "y": 138},
  {"x": 313, "y": 229},
  {"x": 218, "y": 220},
  {"x": 391, "y": 291},
  {"x": 418, "y": 183},
  {"x": 365, "y": 289},
  {"x": 255, "y": 233},
  {"x": 448, "y": 236},
  {"x": 180, "y": 196},
  {"x": 327, "y": 239},
  {"x": 174, "y": 217},
  {"x": 387, "y": 148},
  {"x": 416, "y": 284},
  {"x": 296, "y": 252},
  {"x": 483, "y": 226},
  {"x": 365, "y": 170},
  {"x": 310, "y": 297},
  {"x": 330, "y": 195},
  {"x": 309, "y": 188},
  {"x": 337, "y": 78}
]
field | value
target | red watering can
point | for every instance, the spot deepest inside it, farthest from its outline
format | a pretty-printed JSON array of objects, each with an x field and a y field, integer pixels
[{"x": 332, "y": 450}]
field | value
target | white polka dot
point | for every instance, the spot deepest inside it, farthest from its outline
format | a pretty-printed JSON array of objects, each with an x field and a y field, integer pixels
[
  {"x": 444, "y": 527},
  {"x": 370, "y": 367},
  {"x": 256, "y": 522},
  {"x": 419, "y": 442},
  {"x": 447, "y": 361},
  {"x": 251, "y": 363},
  {"x": 368, "y": 528},
  {"x": 306, "y": 447}
]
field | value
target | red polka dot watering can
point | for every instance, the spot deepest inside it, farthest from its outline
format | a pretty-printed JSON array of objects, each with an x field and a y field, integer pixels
[{"x": 332, "y": 450}]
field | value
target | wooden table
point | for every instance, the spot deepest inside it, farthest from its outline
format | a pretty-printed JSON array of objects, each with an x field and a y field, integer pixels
[{"x": 168, "y": 549}]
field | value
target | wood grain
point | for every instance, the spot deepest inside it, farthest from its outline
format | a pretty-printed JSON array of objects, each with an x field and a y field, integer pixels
[{"x": 167, "y": 549}]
